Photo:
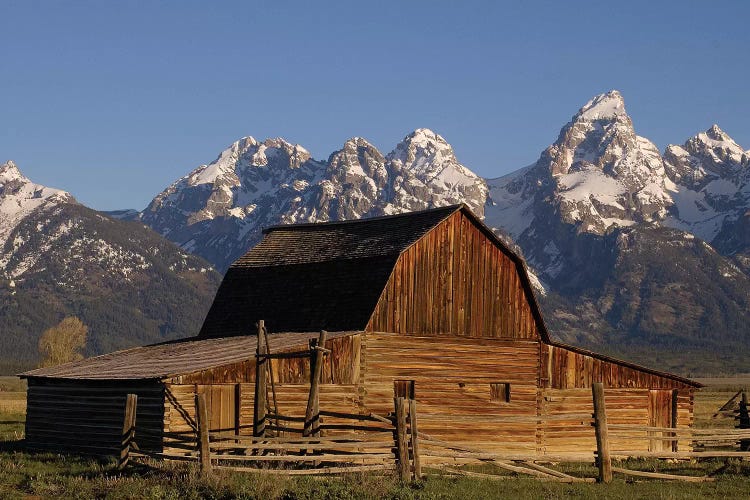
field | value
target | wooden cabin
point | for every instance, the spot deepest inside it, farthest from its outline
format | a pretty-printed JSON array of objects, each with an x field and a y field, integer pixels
[{"x": 429, "y": 304}]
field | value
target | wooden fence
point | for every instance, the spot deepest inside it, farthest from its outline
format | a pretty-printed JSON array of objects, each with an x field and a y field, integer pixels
[{"x": 368, "y": 442}]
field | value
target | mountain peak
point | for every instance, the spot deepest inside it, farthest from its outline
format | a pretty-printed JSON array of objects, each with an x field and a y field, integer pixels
[
  {"x": 717, "y": 145},
  {"x": 9, "y": 171},
  {"x": 422, "y": 147},
  {"x": 608, "y": 106},
  {"x": 424, "y": 136}
]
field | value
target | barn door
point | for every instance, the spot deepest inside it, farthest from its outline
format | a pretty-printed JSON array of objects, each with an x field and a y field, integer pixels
[
  {"x": 659, "y": 415},
  {"x": 221, "y": 400}
]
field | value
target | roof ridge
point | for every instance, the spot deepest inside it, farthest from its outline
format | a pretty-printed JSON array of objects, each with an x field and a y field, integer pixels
[{"x": 301, "y": 225}]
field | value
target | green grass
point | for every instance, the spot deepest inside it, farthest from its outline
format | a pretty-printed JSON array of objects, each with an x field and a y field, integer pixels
[{"x": 47, "y": 475}]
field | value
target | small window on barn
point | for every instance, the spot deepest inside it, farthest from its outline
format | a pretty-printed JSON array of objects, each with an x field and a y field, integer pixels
[
  {"x": 403, "y": 389},
  {"x": 500, "y": 392}
]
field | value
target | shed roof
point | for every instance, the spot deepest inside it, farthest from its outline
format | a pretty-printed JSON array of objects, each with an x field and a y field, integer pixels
[
  {"x": 322, "y": 276},
  {"x": 174, "y": 358}
]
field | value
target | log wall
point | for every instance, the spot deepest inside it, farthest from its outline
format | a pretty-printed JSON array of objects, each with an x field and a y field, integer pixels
[
  {"x": 455, "y": 281},
  {"x": 85, "y": 417},
  {"x": 624, "y": 406},
  {"x": 453, "y": 385}
]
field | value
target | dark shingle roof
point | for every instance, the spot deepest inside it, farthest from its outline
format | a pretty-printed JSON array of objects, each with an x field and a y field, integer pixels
[
  {"x": 323, "y": 276},
  {"x": 173, "y": 358}
]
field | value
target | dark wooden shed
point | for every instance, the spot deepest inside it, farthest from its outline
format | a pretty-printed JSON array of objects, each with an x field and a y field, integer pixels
[{"x": 430, "y": 302}]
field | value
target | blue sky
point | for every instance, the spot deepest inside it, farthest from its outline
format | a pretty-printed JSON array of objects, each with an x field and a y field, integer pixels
[{"x": 114, "y": 100}]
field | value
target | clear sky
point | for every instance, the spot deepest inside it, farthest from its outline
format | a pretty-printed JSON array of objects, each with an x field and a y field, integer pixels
[{"x": 112, "y": 101}]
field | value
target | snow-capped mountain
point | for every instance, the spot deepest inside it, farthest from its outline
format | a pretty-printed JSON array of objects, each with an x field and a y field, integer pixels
[
  {"x": 597, "y": 176},
  {"x": 626, "y": 241},
  {"x": 218, "y": 210},
  {"x": 58, "y": 258},
  {"x": 19, "y": 197},
  {"x": 710, "y": 189}
]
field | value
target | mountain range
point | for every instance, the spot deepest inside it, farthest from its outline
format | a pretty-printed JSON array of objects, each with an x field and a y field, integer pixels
[
  {"x": 59, "y": 258},
  {"x": 634, "y": 252}
]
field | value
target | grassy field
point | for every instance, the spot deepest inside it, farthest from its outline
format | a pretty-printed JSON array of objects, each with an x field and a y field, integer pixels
[{"x": 27, "y": 475}]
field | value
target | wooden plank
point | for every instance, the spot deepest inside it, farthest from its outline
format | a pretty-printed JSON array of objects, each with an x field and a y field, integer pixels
[
  {"x": 203, "y": 432},
  {"x": 312, "y": 472},
  {"x": 402, "y": 447},
  {"x": 604, "y": 461},
  {"x": 312, "y": 412},
  {"x": 261, "y": 382},
  {"x": 128, "y": 429},
  {"x": 658, "y": 475},
  {"x": 414, "y": 436}
]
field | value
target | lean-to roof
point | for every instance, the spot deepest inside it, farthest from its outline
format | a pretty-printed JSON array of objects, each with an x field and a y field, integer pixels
[{"x": 170, "y": 359}]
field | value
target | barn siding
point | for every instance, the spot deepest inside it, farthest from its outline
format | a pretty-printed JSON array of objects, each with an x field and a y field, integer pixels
[
  {"x": 452, "y": 385},
  {"x": 568, "y": 368},
  {"x": 85, "y": 417},
  {"x": 455, "y": 280},
  {"x": 634, "y": 397},
  {"x": 230, "y": 390}
]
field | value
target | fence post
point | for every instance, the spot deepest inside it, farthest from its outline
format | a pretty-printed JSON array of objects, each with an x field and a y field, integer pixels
[
  {"x": 744, "y": 418},
  {"x": 312, "y": 412},
  {"x": 604, "y": 461},
  {"x": 402, "y": 445},
  {"x": 128, "y": 429},
  {"x": 675, "y": 394},
  {"x": 204, "y": 450},
  {"x": 261, "y": 381},
  {"x": 414, "y": 431}
]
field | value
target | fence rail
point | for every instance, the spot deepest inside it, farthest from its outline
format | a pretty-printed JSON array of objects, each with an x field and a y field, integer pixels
[{"x": 364, "y": 442}]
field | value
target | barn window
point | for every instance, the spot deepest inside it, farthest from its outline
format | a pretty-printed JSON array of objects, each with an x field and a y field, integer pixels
[
  {"x": 403, "y": 389},
  {"x": 500, "y": 392}
]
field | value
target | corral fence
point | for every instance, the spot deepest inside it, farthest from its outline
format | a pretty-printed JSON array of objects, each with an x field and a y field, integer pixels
[{"x": 324, "y": 442}]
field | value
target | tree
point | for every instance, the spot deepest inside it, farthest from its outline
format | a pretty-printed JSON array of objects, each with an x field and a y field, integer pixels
[{"x": 63, "y": 342}]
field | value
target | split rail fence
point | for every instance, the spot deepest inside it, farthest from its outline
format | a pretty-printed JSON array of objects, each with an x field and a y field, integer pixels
[{"x": 284, "y": 444}]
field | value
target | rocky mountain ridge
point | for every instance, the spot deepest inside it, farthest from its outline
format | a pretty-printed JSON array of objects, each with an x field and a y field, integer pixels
[
  {"x": 218, "y": 210},
  {"x": 579, "y": 214}
]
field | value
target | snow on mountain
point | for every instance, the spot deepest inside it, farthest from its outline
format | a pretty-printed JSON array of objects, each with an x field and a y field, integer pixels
[
  {"x": 219, "y": 209},
  {"x": 709, "y": 182},
  {"x": 19, "y": 197},
  {"x": 59, "y": 258}
]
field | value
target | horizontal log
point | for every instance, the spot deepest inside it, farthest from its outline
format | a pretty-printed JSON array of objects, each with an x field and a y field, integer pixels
[
  {"x": 513, "y": 457},
  {"x": 679, "y": 430},
  {"x": 306, "y": 458},
  {"x": 69, "y": 389},
  {"x": 310, "y": 472},
  {"x": 548, "y": 478},
  {"x": 658, "y": 475},
  {"x": 165, "y": 456},
  {"x": 307, "y": 446},
  {"x": 508, "y": 419},
  {"x": 680, "y": 454}
]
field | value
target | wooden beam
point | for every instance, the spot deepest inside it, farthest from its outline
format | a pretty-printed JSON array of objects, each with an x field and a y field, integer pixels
[
  {"x": 312, "y": 412},
  {"x": 414, "y": 435},
  {"x": 203, "y": 430},
  {"x": 675, "y": 395},
  {"x": 128, "y": 429},
  {"x": 604, "y": 461},
  {"x": 402, "y": 445},
  {"x": 261, "y": 381},
  {"x": 658, "y": 475}
]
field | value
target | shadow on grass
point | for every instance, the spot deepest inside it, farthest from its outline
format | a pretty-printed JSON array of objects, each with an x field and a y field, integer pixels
[{"x": 12, "y": 446}]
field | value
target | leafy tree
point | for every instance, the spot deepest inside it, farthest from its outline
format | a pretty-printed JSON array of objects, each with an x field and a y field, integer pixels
[{"x": 63, "y": 342}]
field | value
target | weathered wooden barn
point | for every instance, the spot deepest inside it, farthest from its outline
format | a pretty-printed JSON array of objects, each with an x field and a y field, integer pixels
[{"x": 430, "y": 304}]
